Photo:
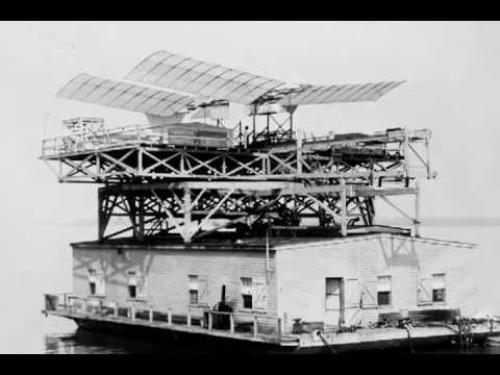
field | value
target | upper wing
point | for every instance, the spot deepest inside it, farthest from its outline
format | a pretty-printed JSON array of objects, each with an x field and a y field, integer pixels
[
  {"x": 125, "y": 95},
  {"x": 313, "y": 94},
  {"x": 201, "y": 78}
]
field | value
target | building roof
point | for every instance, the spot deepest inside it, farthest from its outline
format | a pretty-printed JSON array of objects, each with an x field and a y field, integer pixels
[{"x": 256, "y": 243}]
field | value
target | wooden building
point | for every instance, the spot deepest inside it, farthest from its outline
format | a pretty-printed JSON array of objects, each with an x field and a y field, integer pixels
[{"x": 331, "y": 282}]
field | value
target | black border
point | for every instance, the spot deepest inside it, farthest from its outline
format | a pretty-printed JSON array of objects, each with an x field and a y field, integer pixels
[{"x": 224, "y": 10}]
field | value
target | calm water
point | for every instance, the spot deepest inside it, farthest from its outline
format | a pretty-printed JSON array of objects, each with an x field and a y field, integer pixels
[{"x": 23, "y": 329}]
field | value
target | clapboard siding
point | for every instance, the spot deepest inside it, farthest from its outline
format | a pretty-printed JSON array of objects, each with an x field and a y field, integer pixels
[
  {"x": 167, "y": 276},
  {"x": 302, "y": 271},
  {"x": 296, "y": 287}
]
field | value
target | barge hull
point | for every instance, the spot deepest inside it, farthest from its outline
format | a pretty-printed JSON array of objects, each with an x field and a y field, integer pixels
[
  {"x": 207, "y": 343},
  {"x": 189, "y": 342}
]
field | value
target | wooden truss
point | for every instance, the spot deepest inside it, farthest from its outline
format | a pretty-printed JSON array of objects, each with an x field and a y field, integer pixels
[
  {"x": 288, "y": 183},
  {"x": 387, "y": 159},
  {"x": 195, "y": 209}
]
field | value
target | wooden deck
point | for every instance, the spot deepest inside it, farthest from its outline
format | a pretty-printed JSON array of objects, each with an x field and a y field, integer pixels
[
  {"x": 315, "y": 341},
  {"x": 284, "y": 340}
]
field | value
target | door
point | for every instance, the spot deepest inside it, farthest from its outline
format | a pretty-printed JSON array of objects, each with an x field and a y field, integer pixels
[{"x": 334, "y": 301}]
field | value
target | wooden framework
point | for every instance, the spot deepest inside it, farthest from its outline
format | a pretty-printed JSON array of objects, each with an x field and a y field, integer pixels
[
  {"x": 363, "y": 159},
  {"x": 195, "y": 209},
  {"x": 266, "y": 182}
]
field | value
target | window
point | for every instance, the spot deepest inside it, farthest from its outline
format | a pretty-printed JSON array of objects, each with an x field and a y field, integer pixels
[
  {"x": 438, "y": 287},
  {"x": 132, "y": 291},
  {"x": 194, "y": 287},
  {"x": 92, "y": 287},
  {"x": 96, "y": 283},
  {"x": 246, "y": 292},
  {"x": 136, "y": 285},
  {"x": 384, "y": 290}
]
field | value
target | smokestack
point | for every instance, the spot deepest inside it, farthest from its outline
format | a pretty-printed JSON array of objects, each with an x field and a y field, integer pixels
[{"x": 223, "y": 295}]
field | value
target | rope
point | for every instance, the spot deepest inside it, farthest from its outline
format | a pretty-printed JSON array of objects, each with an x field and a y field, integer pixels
[
  {"x": 326, "y": 343},
  {"x": 405, "y": 323}
]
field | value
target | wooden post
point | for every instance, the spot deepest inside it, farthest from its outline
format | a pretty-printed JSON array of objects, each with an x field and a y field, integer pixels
[
  {"x": 182, "y": 167},
  {"x": 187, "y": 214},
  {"x": 299, "y": 152},
  {"x": 231, "y": 323},
  {"x": 267, "y": 251},
  {"x": 101, "y": 217},
  {"x": 254, "y": 125},
  {"x": 268, "y": 115},
  {"x": 169, "y": 317},
  {"x": 255, "y": 328},
  {"x": 406, "y": 153},
  {"x": 245, "y": 136},
  {"x": 210, "y": 320},
  {"x": 343, "y": 208},
  {"x": 189, "y": 318},
  {"x": 150, "y": 314},
  {"x": 115, "y": 311},
  {"x": 140, "y": 234},
  {"x": 417, "y": 210},
  {"x": 132, "y": 312},
  {"x": 279, "y": 328},
  {"x": 428, "y": 157},
  {"x": 139, "y": 160}
]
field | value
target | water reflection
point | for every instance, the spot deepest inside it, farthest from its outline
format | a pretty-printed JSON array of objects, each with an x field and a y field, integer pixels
[{"x": 85, "y": 342}]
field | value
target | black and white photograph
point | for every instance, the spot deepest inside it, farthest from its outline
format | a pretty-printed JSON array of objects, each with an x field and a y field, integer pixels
[{"x": 257, "y": 188}]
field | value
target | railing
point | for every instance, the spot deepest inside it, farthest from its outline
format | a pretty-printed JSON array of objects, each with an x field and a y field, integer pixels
[
  {"x": 109, "y": 137},
  {"x": 209, "y": 320},
  {"x": 89, "y": 140}
]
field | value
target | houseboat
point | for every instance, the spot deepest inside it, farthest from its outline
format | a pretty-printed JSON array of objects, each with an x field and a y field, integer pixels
[{"x": 254, "y": 238}]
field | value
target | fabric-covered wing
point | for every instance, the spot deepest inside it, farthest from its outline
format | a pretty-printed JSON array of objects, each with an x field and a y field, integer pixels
[
  {"x": 339, "y": 93},
  {"x": 124, "y": 95},
  {"x": 201, "y": 78}
]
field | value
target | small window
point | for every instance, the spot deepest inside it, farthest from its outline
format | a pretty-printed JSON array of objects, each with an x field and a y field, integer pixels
[
  {"x": 247, "y": 301},
  {"x": 438, "y": 288},
  {"x": 132, "y": 284},
  {"x": 132, "y": 291},
  {"x": 194, "y": 287},
  {"x": 96, "y": 283},
  {"x": 137, "y": 285},
  {"x": 92, "y": 288},
  {"x": 384, "y": 290},
  {"x": 246, "y": 292}
]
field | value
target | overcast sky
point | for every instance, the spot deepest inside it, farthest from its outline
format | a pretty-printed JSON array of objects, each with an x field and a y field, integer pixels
[{"x": 451, "y": 68}]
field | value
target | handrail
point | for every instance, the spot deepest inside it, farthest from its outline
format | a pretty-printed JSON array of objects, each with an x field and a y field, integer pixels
[
  {"x": 134, "y": 311},
  {"x": 93, "y": 140}
]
